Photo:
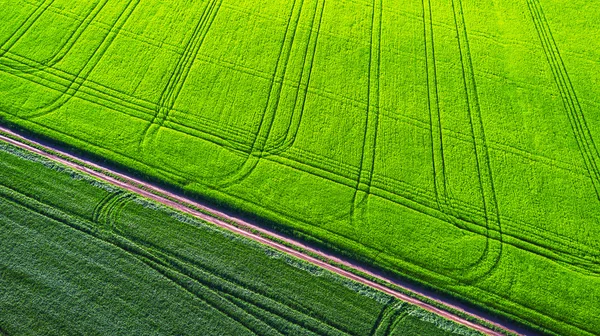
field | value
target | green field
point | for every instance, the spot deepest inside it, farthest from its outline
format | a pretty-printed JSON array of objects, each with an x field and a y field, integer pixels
[
  {"x": 447, "y": 141},
  {"x": 81, "y": 257}
]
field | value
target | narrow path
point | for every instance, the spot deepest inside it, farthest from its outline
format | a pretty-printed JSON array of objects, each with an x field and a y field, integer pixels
[{"x": 248, "y": 230}]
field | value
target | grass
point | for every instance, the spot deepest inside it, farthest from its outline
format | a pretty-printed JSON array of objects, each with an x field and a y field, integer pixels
[
  {"x": 445, "y": 141},
  {"x": 81, "y": 256}
]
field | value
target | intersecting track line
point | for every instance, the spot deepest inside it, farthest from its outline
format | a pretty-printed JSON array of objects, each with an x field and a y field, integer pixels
[
  {"x": 66, "y": 47},
  {"x": 384, "y": 189},
  {"x": 24, "y": 27},
  {"x": 141, "y": 104},
  {"x": 184, "y": 204},
  {"x": 369, "y": 147},
  {"x": 388, "y": 317},
  {"x": 142, "y": 109},
  {"x": 521, "y": 239},
  {"x": 222, "y": 220},
  {"x": 83, "y": 226},
  {"x": 493, "y": 247},
  {"x": 214, "y": 125},
  {"x": 146, "y": 107},
  {"x": 267, "y": 118},
  {"x": 441, "y": 191},
  {"x": 182, "y": 69},
  {"x": 579, "y": 126},
  {"x": 210, "y": 276},
  {"x": 286, "y": 141},
  {"x": 111, "y": 207},
  {"x": 392, "y": 196},
  {"x": 86, "y": 70}
]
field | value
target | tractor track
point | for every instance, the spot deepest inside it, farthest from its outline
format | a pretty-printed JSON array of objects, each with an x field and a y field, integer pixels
[{"x": 255, "y": 232}]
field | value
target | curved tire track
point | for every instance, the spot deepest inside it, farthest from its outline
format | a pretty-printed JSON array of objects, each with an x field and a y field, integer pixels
[{"x": 223, "y": 220}]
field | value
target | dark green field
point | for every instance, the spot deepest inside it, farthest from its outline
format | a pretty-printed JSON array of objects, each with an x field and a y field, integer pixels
[
  {"x": 80, "y": 257},
  {"x": 447, "y": 141}
]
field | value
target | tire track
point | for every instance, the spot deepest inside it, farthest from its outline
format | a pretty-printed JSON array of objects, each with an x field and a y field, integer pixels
[
  {"x": 180, "y": 269},
  {"x": 140, "y": 110},
  {"x": 100, "y": 208},
  {"x": 469, "y": 272},
  {"x": 573, "y": 109},
  {"x": 238, "y": 144},
  {"x": 441, "y": 190},
  {"x": 369, "y": 148},
  {"x": 493, "y": 249},
  {"x": 285, "y": 141},
  {"x": 108, "y": 213},
  {"x": 232, "y": 130},
  {"x": 402, "y": 201},
  {"x": 206, "y": 295},
  {"x": 132, "y": 187},
  {"x": 387, "y": 318},
  {"x": 128, "y": 99},
  {"x": 182, "y": 69},
  {"x": 271, "y": 107},
  {"x": 67, "y": 46},
  {"x": 86, "y": 70},
  {"x": 232, "y": 290},
  {"x": 147, "y": 190},
  {"x": 24, "y": 27}
]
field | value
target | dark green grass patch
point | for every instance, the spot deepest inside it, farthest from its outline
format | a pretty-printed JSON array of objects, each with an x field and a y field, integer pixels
[{"x": 82, "y": 257}]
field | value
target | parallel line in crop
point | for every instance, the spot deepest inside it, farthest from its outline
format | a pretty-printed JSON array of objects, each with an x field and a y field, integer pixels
[
  {"x": 227, "y": 134},
  {"x": 371, "y": 127},
  {"x": 24, "y": 27},
  {"x": 218, "y": 289},
  {"x": 494, "y": 243},
  {"x": 214, "y": 125},
  {"x": 381, "y": 317},
  {"x": 391, "y": 195},
  {"x": 182, "y": 69},
  {"x": 101, "y": 209},
  {"x": 268, "y": 116},
  {"x": 66, "y": 47},
  {"x": 474, "y": 271},
  {"x": 82, "y": 75},
  {"x": 150, "y": 41},
  {"x": 396, "y": 319},
  {"x": 286, "y": 140},
  {"x": 492, "y": 295},
  {"x": 134, "y": 107},
  {"x": 229, "y": 288},
  {"x": 395, "y": 192},
  {"x": 522, "y": 230},
  {"x": 440, "y": 185},
  {"x": 579, "y": 126},
  {"x": 389, "y": 317}
]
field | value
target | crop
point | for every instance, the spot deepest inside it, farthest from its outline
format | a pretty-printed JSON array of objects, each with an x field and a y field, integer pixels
[
  {"x": 112, "y": 262},
  {"x": 450, "y": 142}
]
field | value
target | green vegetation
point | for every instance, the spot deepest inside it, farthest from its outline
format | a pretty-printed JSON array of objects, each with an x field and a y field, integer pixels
[
  {"x": 83, "y": 257},
  {"x": 447, "y": 141}
]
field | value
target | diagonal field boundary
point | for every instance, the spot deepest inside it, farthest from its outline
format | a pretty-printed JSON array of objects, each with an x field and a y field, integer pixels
[{"x": 255, "y": 233}]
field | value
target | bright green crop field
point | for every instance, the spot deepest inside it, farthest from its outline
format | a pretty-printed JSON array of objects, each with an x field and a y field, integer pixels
[
  {"x": 447, "y": 141},
  {"x": 80, "y": 257}
]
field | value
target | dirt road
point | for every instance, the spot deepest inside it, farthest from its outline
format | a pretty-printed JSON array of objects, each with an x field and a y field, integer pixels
[{"x": 167, "y": 198}]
